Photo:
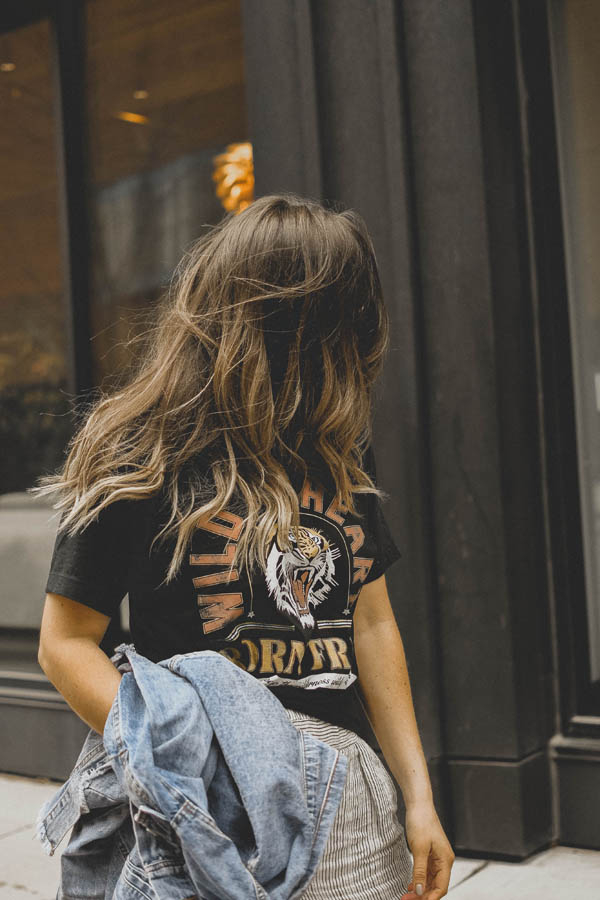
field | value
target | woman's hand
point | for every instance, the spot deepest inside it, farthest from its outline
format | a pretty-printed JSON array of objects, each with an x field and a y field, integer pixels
[{"x": 432, "y": 854}]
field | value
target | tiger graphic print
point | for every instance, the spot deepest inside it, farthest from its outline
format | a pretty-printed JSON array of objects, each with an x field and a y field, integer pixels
[{"x": 301, "y": 578}]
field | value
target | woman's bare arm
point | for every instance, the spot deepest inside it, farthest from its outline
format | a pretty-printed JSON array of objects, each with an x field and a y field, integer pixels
[
  {"x": 70, "y": 655},
  {"x": 385, "y": 686}
]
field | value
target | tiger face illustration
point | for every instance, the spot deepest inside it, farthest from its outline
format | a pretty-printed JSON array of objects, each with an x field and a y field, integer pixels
[{"x": 301, "y": 578}]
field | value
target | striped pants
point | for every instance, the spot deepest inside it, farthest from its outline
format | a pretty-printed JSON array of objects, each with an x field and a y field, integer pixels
[{"x": 366, "y": 856}]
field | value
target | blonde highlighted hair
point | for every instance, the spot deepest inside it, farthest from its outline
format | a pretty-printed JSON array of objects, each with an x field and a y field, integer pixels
[{"x": 270, "y": 335}]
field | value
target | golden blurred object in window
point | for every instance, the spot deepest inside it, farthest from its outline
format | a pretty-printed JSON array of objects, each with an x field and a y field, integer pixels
[{"x": 234, "y": 176}]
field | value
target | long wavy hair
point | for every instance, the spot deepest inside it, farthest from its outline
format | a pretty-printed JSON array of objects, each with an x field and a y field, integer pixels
[{"x": 267, "y": 339}]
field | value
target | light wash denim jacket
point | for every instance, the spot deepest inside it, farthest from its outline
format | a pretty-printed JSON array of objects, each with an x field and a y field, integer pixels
[{"x": 200, "y": 786}]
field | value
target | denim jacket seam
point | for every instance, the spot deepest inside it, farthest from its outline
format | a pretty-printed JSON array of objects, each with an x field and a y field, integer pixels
[
  {"x": 302, "y": 747},
  {"x": 259, "y": 890},
  {"x": 135, "y": 887},
  {"x": 326, "y": 795},
  {"x": 138, "y": 870},
  {"x": 83, "y": 764},
  {"x": 60, "y": 803},
  {"x": 116, "y": 721},
  {"x": 188, "y": 810},
  {"x": 311, "y": 768},
  {"x": 173, "y": 866}
]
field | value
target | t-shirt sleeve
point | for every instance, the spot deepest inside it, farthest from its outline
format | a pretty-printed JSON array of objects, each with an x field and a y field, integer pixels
[
  {"x": 92, "y": 566},
  {"x": 386, "y": 550}
]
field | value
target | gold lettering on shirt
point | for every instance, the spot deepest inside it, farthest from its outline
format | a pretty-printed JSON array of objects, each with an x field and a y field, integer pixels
[
  {"x": 215, "y": 578},
  {"x": 337, "y": 510},
  {"x": 214, "y": 559},
  {"x": 272, "y": 655},
  {"x": 311, "y": 495},
  {"x": 361, "y": 569},
  {"x": 285, "y": 656},
  {"x": 252, "y": 654},
  {"x": 230, "y": 525},
  {"x": 336, "y": 651},
  {"x": 315, "y": 645},
  {"x": 296, "y": 653},
  {"x": 219, "y": 610},
  {"x": 356, "y": 535}
]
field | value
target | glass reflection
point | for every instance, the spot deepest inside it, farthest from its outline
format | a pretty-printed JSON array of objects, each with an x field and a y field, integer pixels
[
  {"x": 165, "y": 87},
  {"x": 34, "y": 410}
]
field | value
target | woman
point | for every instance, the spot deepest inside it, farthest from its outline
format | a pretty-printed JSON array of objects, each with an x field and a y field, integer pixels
[{"x": 228, "y": 485}]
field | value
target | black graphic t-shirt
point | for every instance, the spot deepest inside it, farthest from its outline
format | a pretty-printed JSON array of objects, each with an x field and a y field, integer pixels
[{"x": 292, "y": 626}]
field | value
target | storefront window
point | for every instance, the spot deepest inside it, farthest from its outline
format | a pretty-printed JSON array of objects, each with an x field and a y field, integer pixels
[
  {"x": 34, "y": 409},
  {"x": 576, "y": 53},
  {"x": 165, "y": 94}
]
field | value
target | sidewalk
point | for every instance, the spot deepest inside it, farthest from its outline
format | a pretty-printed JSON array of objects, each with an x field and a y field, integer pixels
[{"x": 561, "y": 873}]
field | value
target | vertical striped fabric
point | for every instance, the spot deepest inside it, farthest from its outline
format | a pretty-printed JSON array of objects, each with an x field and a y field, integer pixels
[{"x": 366, "y": 856}]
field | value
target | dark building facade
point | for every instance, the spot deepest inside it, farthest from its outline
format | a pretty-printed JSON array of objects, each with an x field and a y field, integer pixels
[{"x": 464, "y": 133}]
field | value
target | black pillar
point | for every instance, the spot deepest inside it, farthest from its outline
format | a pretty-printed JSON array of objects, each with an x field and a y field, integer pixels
[{"x": 410, "y": 113}]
